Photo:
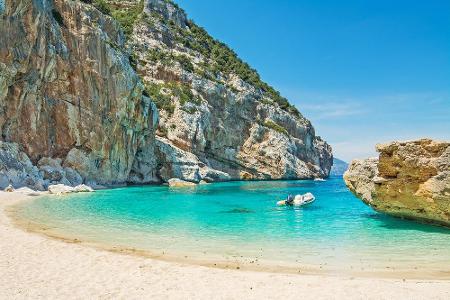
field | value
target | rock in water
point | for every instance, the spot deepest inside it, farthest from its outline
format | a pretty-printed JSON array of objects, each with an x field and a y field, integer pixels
[
  {"x": 175, "y": 182},
  {"x": 409, "y": 180},
  {"x": 82, "y": 188}
]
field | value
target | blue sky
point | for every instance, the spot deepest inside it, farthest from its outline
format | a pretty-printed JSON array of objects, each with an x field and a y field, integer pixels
[{"x": 362, "y": 71}]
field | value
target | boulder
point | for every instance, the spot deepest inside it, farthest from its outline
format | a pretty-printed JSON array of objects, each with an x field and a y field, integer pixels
[
  {"x": 54, "y": 163},
  {"x": 59, "y": 189},
  {"x": 409, "y": 180},
  {"x": 17, "y": 170},
  {"x": 175, "y": 182},
  {"x": 51, "y": 169},
  {"x": 73, "y": 177},
  {"x": 9, "y": 189},
  {"x": 52, "y": 174},
  {"x": 82, "y": 188}
]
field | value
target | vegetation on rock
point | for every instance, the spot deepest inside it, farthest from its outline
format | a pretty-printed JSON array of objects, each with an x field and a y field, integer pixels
[
  {"x": 220, "y": 60},
  {"x": 125, "y": 15},
  {"x": 272, "y": 125}
]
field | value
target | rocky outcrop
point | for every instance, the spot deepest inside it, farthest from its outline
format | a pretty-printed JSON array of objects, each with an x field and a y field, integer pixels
[
  {"x": 68, "y": 91},
  {"x": 215, "y": 111},
  {"x": 409, "y": 180},
  {"x": 176, "y": 163},
  {"x": 16, "y": 169},
  {"x": 60, "y": 189},
  {"x": 177, "y": 183}
]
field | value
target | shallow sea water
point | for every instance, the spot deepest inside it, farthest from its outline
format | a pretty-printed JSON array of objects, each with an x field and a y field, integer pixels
[{"x": 239, "y": 222}]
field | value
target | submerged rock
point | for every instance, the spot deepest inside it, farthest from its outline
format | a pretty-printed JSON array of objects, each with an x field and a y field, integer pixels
[
  {"x": 409, "y": 180},
  {"x": 175, "y": 182}
]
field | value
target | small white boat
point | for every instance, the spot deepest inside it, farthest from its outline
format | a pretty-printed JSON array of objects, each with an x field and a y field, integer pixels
[
  {"x": 299, "y": 200},
  {"x": 319, "y": 179}
]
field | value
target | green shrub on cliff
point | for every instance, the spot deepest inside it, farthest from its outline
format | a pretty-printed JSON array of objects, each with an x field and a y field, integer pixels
[
  {"x": 185, "y": 63},
  {"x": 156, "y": 55},
  {"x": 101, "y": 5},
  {"x": 220, "y": 59},
  {"x": 272, "y": 125},
  {"x": 161, "y": 100},
  {"x": 126, "y": 16},
  {"x": 164, "y": 101},
  {"x": 183, "y": 92},
  {"x": 224, "y": 60}
]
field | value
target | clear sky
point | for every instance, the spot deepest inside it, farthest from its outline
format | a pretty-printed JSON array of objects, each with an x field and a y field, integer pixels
[{"x": 362, "y": 71}]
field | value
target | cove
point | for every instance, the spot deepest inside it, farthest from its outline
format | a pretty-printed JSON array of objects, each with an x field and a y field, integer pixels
[{"x": 238, "y": 224}]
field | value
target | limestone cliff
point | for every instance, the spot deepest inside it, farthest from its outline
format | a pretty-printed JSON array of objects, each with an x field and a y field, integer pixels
[
  {"x": 68, "y": 91},
  {"x": 214, "y": 107},
  {"x": 109, "y": 92},
  {"x": 409, "y": 180}
]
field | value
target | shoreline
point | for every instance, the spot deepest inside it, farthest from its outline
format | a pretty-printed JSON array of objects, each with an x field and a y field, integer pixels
[
  {"x": 221, "y": 262},
  {"x": 269, "y": 281}
]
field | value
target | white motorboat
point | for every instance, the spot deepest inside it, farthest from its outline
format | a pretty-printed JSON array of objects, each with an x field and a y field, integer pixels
[{"x": 298, "y": 200}]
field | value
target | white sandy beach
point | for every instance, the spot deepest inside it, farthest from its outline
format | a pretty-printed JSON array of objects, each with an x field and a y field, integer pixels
[{"x": 33, "y": 266}]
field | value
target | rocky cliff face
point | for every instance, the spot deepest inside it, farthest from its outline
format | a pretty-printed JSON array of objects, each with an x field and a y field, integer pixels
[
  {"x": 409, "y": 180},
  {"x": 82, "y": 85},
  {"x": 67, "y": 89},
  {"x": 214, "y": 107}
]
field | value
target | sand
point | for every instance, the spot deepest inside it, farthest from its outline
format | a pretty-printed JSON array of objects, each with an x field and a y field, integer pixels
[{"x": 33, "y": 266}]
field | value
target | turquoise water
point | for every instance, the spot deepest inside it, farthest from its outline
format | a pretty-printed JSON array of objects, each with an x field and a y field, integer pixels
[{"x": 240, "y": 222}]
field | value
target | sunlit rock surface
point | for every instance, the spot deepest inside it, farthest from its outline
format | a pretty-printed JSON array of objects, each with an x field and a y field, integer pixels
[
  {"x": 91, "y": 88},
  {"x": 410, "y": 180},
  {"x": 66, "y": 85}
]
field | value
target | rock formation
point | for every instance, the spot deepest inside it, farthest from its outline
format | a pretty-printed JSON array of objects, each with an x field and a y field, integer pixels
[
  {"x": 17, "y": 170},
  {"x": 409, "y": 180},
  {"x": 109, "y": 92},
  {"x": 177, "y": 183},
  {"x": 215, "y": 112},
  {"x": 59, "y": 189},
  {"x": 68, "y": 91}
]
